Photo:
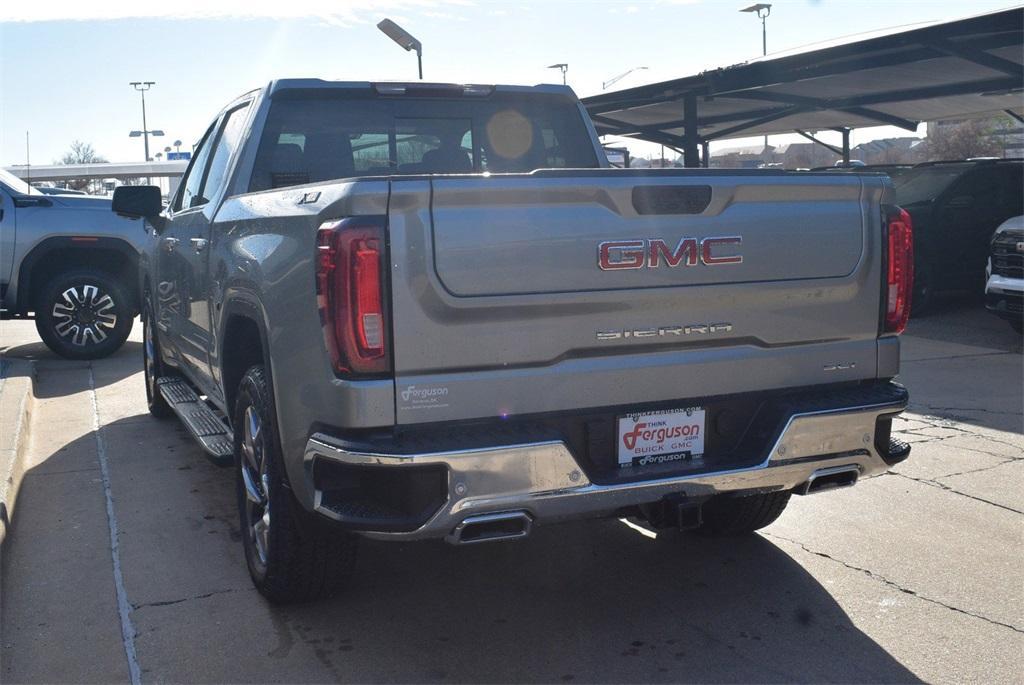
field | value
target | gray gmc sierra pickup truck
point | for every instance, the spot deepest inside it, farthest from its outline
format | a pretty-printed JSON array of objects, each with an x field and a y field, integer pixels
[{"x": 412, "y": 311}]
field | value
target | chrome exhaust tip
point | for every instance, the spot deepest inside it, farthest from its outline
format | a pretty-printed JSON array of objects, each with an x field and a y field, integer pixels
[
  {"x": 830, "y": 479},
  {"x": 510, "y": 525}
]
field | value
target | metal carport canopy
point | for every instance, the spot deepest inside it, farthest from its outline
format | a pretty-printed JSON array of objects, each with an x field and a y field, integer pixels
[{"x": 957, "y": 69}]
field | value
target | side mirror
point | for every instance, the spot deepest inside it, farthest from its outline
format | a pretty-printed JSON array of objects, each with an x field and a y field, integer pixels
[{"x": 137, "y": 201}]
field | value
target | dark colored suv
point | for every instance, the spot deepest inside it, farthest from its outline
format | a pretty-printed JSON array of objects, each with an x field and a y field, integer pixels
[{"x": 956, "y": 207}]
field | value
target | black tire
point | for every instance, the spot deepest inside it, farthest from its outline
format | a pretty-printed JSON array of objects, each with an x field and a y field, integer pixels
[
  {"x": 726, "y": 516},
  {"x": 292, "y": 557},
  {"x": 84, "y": 314},
  {"x": 152, "y": 365}
]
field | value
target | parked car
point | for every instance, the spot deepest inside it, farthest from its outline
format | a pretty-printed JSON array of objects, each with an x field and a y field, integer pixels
[
  {"x": 1004, "y": 289},
  {"x": 893, "y": 171},
  {"x": 409, "y": 311},
  {"x": 48, "y": 190},
  {"x": 956, "y": 207},
  {"x": 72, "y": 263}
]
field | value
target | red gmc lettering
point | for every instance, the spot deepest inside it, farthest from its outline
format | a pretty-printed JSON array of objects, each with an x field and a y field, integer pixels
[
  {"x": 708, "y": 244},
  {"x": 687, "y": 248},
  {"x": 629, "y": 254},
  {"x": 636, "y": 254}
]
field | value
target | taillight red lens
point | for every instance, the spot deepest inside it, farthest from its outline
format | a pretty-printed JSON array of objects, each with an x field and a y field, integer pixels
[
  {"x": 350, "y": 296},
  {"x": 900, "y": 271}
]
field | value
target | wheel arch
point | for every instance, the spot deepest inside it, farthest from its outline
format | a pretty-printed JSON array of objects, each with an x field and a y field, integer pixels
[
  {"x": 243, "y": 343},
  {"x": 58, "y": 253}
]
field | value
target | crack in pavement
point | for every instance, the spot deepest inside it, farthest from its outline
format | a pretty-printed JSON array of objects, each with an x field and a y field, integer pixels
[
  {"x": 943, "y": 486},
  {"x": 882, "y": 579},
  {"x": 169, "y": 602},
  {"x": 953, "y": 425},
  {"x": 1008, "y": 460}
]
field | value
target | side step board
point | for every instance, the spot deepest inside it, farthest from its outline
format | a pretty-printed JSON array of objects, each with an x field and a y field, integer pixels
[{"x": 205, "y": 426}]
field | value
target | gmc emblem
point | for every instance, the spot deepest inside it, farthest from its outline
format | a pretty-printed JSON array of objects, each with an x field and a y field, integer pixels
[{"x": 637, "y": 254}]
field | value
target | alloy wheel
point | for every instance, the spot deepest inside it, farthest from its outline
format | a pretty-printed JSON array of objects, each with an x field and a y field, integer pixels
[
  {"x": 83, "y": 315},
  {"x": 256, "y": 482}
]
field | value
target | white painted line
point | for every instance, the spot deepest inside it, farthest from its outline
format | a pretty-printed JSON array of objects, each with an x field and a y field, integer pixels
[
  {"x": 124, "y": 608},
  {"x": 640, "y": 529}
]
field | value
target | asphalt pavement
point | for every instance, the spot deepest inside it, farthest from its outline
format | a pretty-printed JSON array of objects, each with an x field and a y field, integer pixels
[{"x": 124, "y": 562}]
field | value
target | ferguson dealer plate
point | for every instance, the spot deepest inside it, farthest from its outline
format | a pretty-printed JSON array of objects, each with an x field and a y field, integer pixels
[{"x": 659, "y": 437}]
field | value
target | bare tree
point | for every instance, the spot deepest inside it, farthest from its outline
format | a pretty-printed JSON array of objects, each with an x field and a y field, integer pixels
[
  {"x": 81, "y": 153},
  {"x": 972, "y": 138}
]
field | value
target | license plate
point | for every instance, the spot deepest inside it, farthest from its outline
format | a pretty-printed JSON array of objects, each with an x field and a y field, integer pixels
[{"x": 658, "y": 437}]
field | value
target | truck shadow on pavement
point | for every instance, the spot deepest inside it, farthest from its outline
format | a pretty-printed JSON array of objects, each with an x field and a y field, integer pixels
[
  {"x": 579, "y": 602},
  {"x": 123, "y": 363}
]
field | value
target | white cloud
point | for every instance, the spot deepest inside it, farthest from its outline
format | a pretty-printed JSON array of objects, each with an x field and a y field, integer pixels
[{"x": 335, "y": 12}]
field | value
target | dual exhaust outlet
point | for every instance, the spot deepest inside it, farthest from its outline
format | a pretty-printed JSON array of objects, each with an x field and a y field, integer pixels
[
  {"x": 509, "y": 525},
  {"x": 513, "y": 525}
]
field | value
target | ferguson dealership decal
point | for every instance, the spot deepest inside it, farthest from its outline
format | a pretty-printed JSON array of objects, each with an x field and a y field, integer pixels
[
  {"x": 431, "y": 397},
  {"x": 662, "y": 436}
]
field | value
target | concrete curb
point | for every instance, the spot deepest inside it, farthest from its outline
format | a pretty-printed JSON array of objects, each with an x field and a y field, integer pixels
[{"x": 17, "y": 379}]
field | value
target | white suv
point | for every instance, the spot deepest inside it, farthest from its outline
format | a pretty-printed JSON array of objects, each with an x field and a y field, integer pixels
[{"x": 1004, "y": 290}]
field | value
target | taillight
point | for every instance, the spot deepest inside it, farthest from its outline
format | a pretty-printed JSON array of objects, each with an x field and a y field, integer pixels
[
  {"x": 899, "y": 270},
  {"x": 351, "y": 294}
]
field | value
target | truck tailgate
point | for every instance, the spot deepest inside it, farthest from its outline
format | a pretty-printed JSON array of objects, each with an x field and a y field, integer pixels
[{"x": 501, "y": 305}]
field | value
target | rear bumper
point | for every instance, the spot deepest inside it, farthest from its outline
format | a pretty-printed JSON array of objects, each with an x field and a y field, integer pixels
[{"x": 544, "y": 480}]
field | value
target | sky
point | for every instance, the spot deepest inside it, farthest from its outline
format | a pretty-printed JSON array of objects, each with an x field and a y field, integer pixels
[{"x": 65, "y": 66}]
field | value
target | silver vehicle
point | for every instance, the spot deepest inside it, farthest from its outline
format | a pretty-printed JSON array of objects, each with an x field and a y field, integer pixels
[
  {"x": 421, "y": 311},
  {"x": 72, "y": 263},
  {"x": 1004, "y": 285}
]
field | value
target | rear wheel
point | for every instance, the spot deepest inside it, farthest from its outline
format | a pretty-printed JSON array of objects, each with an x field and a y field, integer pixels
[
  {"x": 84, "y": 314},
  {"x": 291, "y": 556},
  {"x": 724, "y": 515},
  {"x": 152, "y": 365}
]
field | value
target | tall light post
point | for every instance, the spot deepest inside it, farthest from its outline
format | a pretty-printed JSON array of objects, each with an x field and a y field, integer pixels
[
  {"x": 762, "y": 10},
  {"x": 404, "y": 39},
  {"x": 615, "y": 79},
  {"x": 563, "y": 68},
  {"x": 142, "y": 87}
]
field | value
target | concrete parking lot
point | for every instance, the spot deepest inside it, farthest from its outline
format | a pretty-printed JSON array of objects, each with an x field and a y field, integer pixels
[{"x": 124, "y": 562}]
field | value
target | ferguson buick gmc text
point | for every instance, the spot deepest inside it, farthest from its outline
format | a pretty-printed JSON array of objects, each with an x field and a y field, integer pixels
[{"x": 413, "y": 311}]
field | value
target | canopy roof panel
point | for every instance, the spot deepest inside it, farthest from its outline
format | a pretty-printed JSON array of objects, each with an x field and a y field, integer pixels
[{"x": 900, "y": 77}]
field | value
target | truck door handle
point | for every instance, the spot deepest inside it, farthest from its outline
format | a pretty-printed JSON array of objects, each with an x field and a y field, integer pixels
[
  {"x": 169, "y": 243},
  {"x": 198, "y": 244}
]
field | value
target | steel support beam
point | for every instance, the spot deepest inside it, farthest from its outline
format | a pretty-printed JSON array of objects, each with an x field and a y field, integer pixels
[
  {"x": 825, "y": 105},
  {"x": 705, "y": 154},
  {"x": 775, "y": 116},
  {"x": 822, "y": 143},
  {"x": 691, "y": 136},
  {"x": 976, "y": 55}
]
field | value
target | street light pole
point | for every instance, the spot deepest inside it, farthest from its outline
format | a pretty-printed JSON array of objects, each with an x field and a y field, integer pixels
[
  {"x": 762, "y": 10},
  {"x": 142, "y": 87},
  {"x": 615, "y": 79},
  {"x": 563, "y": 68},
  {"x": 404, "y": 39}
]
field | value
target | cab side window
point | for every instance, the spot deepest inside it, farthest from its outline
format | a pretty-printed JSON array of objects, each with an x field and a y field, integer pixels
[
  {"x": 189, "y": 195},
  {"x": 228, "y": 140}
]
